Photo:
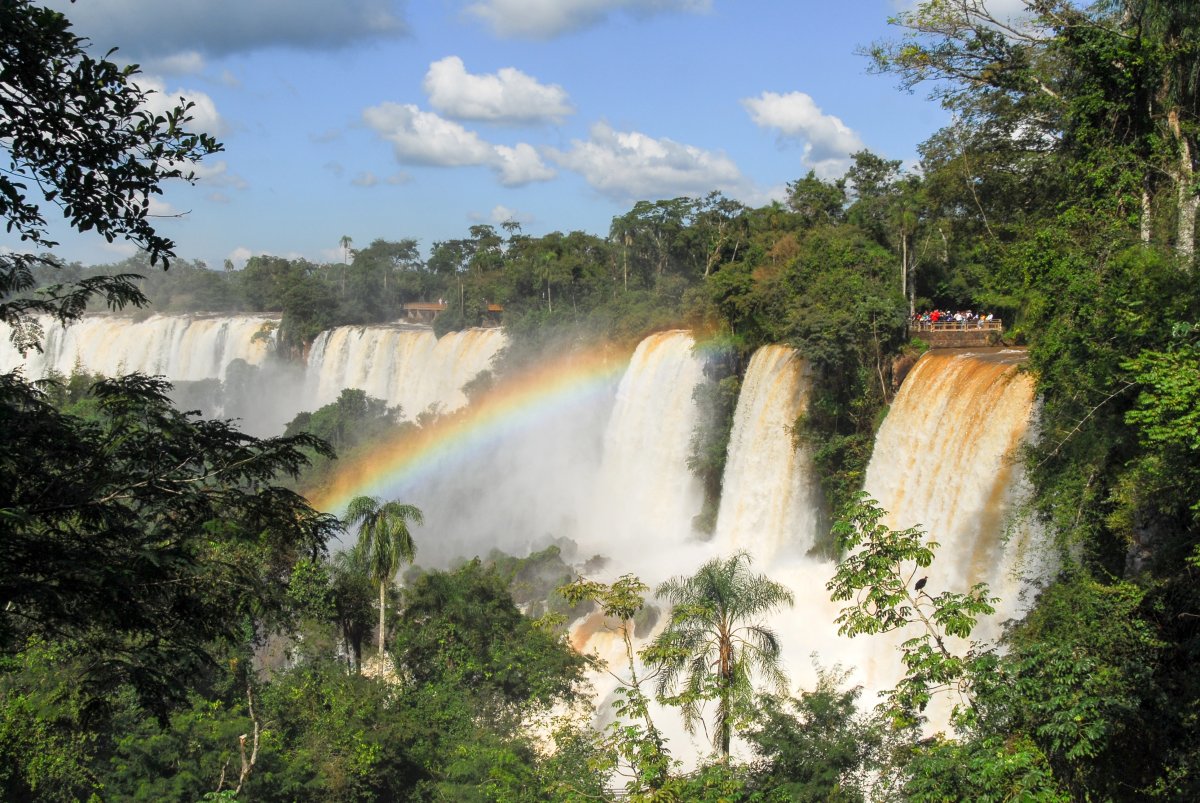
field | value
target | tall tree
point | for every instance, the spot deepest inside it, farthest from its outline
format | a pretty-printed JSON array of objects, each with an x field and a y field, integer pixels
[
  {"x": 384, "y": 543},
  {"x": 77, "y": 129},
  {"x": 143, "y": 542},
  {"x": 715, "y": 643}
]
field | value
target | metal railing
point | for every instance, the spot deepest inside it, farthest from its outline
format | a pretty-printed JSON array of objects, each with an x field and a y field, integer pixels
[{"x": 994, "y": 325}]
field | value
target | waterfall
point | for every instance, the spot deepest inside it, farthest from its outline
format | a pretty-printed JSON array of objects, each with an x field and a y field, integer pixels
[
  {"x": 610, "y": 469},
  {"x": 944, "y": 460},
  {"x": 404, "y": 365},
  {"x": 646, "y": 495},
  {"x": 183, "y": 348},
  {"x": 770, "y": 500}
]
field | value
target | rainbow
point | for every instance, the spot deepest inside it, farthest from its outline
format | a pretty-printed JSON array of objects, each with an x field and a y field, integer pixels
[{"x": 511, "y": 406}]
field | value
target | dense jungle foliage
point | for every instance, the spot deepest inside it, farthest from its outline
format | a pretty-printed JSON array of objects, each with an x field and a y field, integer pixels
[{"x": 173, "y": 628}]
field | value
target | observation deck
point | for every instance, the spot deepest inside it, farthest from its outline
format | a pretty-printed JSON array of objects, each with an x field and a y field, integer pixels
[{"x": 958, "y": 334}]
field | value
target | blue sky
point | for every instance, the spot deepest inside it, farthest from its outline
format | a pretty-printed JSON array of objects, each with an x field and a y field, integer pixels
[{"x": 391, "y": 119}]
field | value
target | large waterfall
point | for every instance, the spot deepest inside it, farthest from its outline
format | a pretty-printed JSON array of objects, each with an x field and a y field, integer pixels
[
  {"x": 183, "y": 348},
  {"x": 645, "y": 494},
  {"x": 770, "y": 502},
  {"x": 944, "y": 459},
  {"x": 596, "y": 451},
  {"x": 404, "y": 365}
]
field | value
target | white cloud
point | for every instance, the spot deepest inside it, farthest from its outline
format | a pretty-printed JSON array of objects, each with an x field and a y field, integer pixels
[
  {"x": 521, "y": 165},
  {"x": 633, "y": 166},
  {"x": 420, "y": 137},
  {"x": 828, "y": 142},
  {"x": 120, "y": 248},
  {"x": 185, "y": 62},
  {"x": 508, "y": 96},
  {"x": 543, "y": 19},
  {"x": 218, "y": 197},
  {"x": 161, "y": 208},
  {"x": 205, "y": 117},
  {"x": 151, "y": 28},
  {"x": 239, "y": 255},
  {"x": 502, "y": 214},
  {"x": 425, "y": 138}
]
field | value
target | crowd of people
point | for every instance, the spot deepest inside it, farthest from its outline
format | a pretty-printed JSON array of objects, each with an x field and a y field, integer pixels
[{"x": 945, "y": 319}]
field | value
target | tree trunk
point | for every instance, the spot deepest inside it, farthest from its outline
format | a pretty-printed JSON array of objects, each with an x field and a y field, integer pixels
[
  {"x": 382, "y": 615},
  {"x": 1185, "y": 235},
  {"x": 1147, "y": 211}
]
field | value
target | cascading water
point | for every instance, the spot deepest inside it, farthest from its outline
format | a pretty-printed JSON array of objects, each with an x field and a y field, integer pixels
[
  {"x": 646, "y": 496},
  {"x": 404, "y": 365},
  {"x": 944, "y": 459},
  {"x": 183, "y": 348},
  {"x": 770, "y": 501},
  {"x": 611, "y": 472}
]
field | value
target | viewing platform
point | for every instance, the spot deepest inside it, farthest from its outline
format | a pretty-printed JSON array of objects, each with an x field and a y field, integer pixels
[{"x": 958, "y": 334}]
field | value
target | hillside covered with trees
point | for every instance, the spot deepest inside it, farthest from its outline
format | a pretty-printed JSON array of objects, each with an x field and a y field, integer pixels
[{"x": 154, "y": 567}]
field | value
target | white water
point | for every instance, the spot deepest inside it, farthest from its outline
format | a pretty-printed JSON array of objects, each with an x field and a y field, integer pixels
[
  {"x": 944, "y": 460},
  {"x": 183, "y": 348},
  {"x": 404, "y": 365},
  {"x": 646, "y": 496},
  {"x": 770, "y": 500},
  {"x": 611, "y": 474}
]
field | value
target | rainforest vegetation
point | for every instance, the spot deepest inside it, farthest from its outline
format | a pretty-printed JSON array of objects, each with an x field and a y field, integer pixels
[{"x": 174, "y": 627}]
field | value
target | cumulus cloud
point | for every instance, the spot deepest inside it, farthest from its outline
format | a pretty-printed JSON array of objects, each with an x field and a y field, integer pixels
[
  {"x": 503, "y": 214},
  {"x": 425, "y": 138},
  {"x": 239, "y": 256},
  {"x": 631, "y": 165},
  {"x": 520, "y": 165},
  {"x": 828, "y": 142},
  {"x": 420, "y": 137},
  {"x": 507, "y": 96},
  {"x": 544, "y": 19},
  {"x": 152, "y": 28},
  {"x": 204, "y": 113},
  {"x": 186, "y": 62},
  {"x": 161, "y": 208}
]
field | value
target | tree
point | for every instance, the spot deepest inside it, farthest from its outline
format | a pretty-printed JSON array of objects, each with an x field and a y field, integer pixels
[
  {"x": 1112, "y": 84},
  {"x": 817, "y": 746},
  {"x": 76, "y": 128},
  {"x": 714, "y": 643},
  {"x": 462, "y": 630},
  {"x": 642, "y": 748},
  {"x": 142, "y": 543},
  {"x": 879, "y": 578},
  {"x": 384, "y": 542}
]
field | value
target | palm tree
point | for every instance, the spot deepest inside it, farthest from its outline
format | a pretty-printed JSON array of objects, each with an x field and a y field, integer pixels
[
  {"x": 714, "y": 643},
  {"x": 384, "y": 542}
]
